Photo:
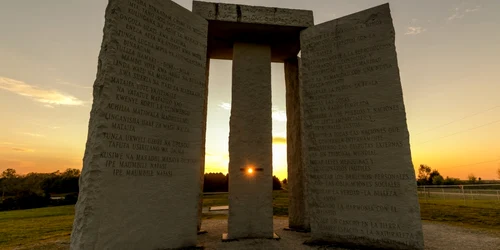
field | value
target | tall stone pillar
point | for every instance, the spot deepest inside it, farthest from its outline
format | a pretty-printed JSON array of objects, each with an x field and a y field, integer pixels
[
  {"x": 250, "y": 144},
  {"x": 203, "y": 141},
  {"x": 361, "y": 189},
  {"x": 139, "y": 186},
  {"x": 298, "y": 219}
]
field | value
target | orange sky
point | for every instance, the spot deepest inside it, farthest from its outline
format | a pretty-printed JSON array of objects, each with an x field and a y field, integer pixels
[{"x": 448, "y": 56}]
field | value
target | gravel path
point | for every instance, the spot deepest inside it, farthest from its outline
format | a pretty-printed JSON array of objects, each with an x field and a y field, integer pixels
[{"x": 436, "y": 236}]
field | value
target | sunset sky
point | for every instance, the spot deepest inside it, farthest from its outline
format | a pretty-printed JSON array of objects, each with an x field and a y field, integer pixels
[{"x": 448, "y": 54}]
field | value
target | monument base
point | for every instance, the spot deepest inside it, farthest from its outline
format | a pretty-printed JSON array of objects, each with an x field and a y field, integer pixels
[
  {"x": 197, "y": 247},
  {"x": 299, "y": 230},
  {"x": 380, "y": 245},
  {"x": 225, "y": 238}
]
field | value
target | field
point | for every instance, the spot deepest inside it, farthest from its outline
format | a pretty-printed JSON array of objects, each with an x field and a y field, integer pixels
[
  {"x": 50, "y": 228},
  {"x": 35, "y": 226}
]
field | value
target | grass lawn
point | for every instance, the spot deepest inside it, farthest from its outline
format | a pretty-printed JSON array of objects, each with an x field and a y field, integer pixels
[
  {"x": 33, "y": 226},
  {"x": 479, "y": 214},
  {"x": 50, "y": 228},
  {"x": 211, "y": 200}
]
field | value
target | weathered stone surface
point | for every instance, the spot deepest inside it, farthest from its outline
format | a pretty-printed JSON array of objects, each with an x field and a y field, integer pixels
[
  {"x": 253, "y": 14},
  {"x": 250, "y": 144},
  {"x": 297, "y": 214},
  {"x": 203, "y": 140},
  {"x": 230, "y": 23},
  {"x": 139, "y": 184},
  {"x": 360, "y": 179}
]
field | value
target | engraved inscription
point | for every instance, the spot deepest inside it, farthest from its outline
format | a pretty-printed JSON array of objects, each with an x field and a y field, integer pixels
[
  {"x": 355, "y": 132},
  {"x": 145, "y": 129},
  {"x": 157, "y": 87}
]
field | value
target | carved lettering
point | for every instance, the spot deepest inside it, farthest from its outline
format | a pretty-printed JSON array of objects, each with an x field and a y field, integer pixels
[{"x": 355, "y": 132}]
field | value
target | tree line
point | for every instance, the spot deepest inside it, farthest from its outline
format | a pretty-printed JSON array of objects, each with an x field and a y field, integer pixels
[
  {"x": 428, "y": 176},
  {"x": 219, "y": 182},
  {"x": 36, "y": 190},
  {"x": 61, "y": 188}
]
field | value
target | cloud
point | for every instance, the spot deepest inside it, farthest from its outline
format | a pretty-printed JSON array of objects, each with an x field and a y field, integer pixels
[
  {"x": 279, "y": 140},
  {"x": 44, "y": 125},
  {"x": 59, "y": 81},
  {"x": 17, "y": 149},
  {"x": 34, "y": 135},
  {"x": 277, "y": 114},
  {"x": 460, "y": 12},
  {"x": 23, "y": 149},
  {"x": 225, "y": 105},
  {"x": 281, "y": 133},
  {"x": 456, "y": 15},
  {"x": 415, "y": 30},
  {"x": 14, "y": 147},
  {"x": 49, "y": 98},
  {"x": 477, "y": 8},
  {"x": 10, "y": 144}
]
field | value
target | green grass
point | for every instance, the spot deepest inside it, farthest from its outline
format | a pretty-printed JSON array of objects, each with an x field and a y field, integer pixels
[
  {"x": 483, "y": 214},
  {"x": 280, "y": 203},
  {"x": 212, "y": 200},
  {"x": 32, "y": 226},
  {"x": 460, "y": 203},
  {"x": 50, "y": 228}
]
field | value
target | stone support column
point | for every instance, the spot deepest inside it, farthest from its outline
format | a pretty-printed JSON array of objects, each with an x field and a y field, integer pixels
[
  {"x": 203, "y": 141},
  {"x": 298, "y": 219},
  {"x": 250, "y": 144}
]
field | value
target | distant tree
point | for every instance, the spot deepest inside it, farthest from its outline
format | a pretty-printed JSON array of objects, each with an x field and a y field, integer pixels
[
  {"x": 423, "y": 174},
  {"x": 472, "y": 178},
  {"x": 8, "y": 181},
  {"x": 71, "y": 172},
  {"x": 498, "y": 173},
  {"x": 9, "y": 173},
  {"x": 2, "y": 186},
  {"x": 276, "y": 183},
  {"x": 451, "y": 181},
  {"x": 32, "y": 183},
  {"x": 434, "y": 175},
  {"x": 437, "y": 180},
  {"x": 428, "y": 176},
  {"x": 285, "y": 181},
  {"x": 69, "y": 180},
  {"x": 215, "y": 182},
  {"x": 34, "y": 189}
]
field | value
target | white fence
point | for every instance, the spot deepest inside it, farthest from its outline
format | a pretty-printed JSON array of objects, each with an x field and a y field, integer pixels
[{"x": 468, "y": 194}]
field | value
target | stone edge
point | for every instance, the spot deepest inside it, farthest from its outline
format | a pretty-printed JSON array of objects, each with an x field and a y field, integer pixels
[{"x": 237, "y": 13}]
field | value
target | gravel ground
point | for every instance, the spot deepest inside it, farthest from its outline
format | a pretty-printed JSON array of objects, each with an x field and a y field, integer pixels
[{"x": 436, "y": 237}]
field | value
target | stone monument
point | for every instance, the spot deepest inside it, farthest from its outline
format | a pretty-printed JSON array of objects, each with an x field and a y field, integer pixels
[
  {"x": 361, "y": 186},
  {"x": 139, "y": 186},
  {"x": 252, "y": 37},
  {"x": 351, "y": 180}
]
